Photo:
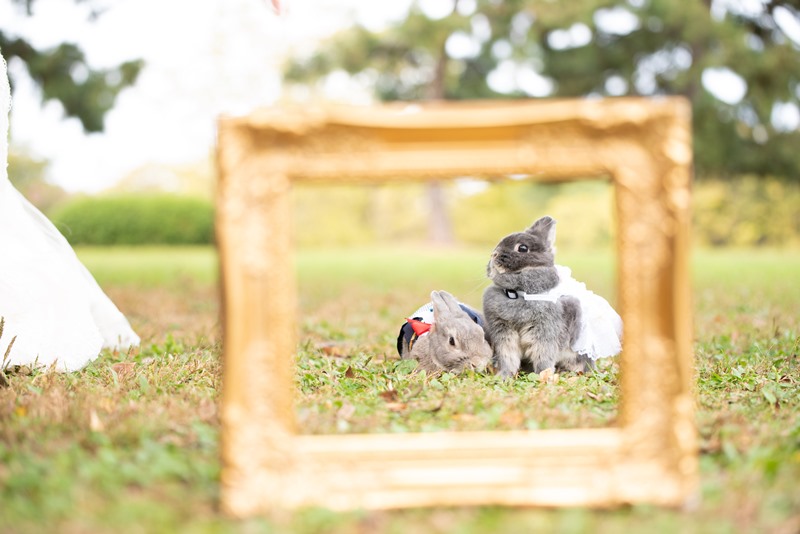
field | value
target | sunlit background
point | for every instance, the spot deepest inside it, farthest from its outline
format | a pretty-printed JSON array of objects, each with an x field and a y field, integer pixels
[
  {"x": 201, "y": 59},
  {"x": 174, "y": 67}
]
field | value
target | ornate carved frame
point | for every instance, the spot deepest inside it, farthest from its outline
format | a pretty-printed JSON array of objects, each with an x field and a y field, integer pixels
[{"x": 643, "y": 145}]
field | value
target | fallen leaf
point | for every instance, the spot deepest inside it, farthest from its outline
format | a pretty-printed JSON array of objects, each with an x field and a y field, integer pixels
[
  {"x": 548, "y": 376},
  {"x": 333, "y": 349},
  {"x": 390, "y": 395},
  {"x": 349, "y": 373},
  {"x": 123, "y": 369},
  {"x": 396, "y": 406}
]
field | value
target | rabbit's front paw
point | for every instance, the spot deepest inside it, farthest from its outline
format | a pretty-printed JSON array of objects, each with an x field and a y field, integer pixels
[
  {"x": 507, "y": 363},
  {"x": 506, "y": 356},
  {"x": 506, "y": 374}
]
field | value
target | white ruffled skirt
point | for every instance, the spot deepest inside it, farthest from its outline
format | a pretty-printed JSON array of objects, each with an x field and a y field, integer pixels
[
  {"x": 51, "y": 306},
  {"x": 601, "y": 327}
]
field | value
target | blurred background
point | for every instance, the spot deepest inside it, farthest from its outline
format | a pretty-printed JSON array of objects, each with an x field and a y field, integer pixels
[{"x": 112, "y": 131}]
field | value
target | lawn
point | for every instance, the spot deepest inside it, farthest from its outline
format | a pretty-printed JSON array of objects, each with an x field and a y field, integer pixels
[{"x": 130, "y": 444}]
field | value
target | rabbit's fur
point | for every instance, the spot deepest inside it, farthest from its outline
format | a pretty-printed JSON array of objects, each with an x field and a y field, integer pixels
[
  {"x": 455, "y": 342},
  {"x": 530, "y": 333}
]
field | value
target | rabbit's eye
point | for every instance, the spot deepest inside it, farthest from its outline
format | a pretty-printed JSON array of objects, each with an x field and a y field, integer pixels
[
  {"x": 522, "y": 248},
  {"x": 452, "y": 341}
]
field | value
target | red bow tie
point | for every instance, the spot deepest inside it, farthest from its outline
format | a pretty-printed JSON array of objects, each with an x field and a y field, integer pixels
[{"x": 419, "y": 327}]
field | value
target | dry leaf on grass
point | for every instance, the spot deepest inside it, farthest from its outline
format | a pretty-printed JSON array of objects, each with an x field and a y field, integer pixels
[
  {"x": 548, "y": 376},
  {"x": 123, "y": 369},
  {"x": 390, "y": 395},
  {"x": 396, "y": 406},
  {"x": 334, "y": 350}
]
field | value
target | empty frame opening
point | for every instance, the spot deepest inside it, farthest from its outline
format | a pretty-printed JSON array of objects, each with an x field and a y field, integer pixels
[{"x": 367, "y": 256}]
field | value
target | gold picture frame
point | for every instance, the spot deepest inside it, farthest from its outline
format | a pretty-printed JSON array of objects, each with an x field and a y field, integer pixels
[{"x": 642, "y": 145}]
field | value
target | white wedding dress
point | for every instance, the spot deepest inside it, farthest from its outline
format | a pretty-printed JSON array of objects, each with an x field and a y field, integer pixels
[{"x": 49, "y": 301}]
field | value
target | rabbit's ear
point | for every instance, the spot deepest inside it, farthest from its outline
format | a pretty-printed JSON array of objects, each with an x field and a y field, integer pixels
[
  {"x": 441, "y": 307},
  {"x": 545, "y": 229},
  {"x": 450, "y": 300}
]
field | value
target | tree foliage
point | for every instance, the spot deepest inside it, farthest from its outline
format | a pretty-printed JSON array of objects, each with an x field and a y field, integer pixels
[
  {"x": 63, "y": 74},
  {"x": 525, "y": 48}
]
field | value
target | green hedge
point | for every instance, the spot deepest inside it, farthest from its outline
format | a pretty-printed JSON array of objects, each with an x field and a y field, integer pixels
[
  {"x": 745, "y": 211},
  {"x": 136, "y": 220}
]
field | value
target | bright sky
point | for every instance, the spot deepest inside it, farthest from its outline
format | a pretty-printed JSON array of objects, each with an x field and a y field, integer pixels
[
  {"x": 202, "y": 59},
  {"x": 212, "y": 57}
]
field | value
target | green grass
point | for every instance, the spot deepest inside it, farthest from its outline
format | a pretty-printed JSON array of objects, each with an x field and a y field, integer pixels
[
  {"x": 150, "y": 266},
  {"x": 130, "y": 444}
]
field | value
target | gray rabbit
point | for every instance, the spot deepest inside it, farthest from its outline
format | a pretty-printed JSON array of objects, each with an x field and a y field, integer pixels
[
  {"x": 527, "y": 323},
  {"x": 445, "y": 335}
]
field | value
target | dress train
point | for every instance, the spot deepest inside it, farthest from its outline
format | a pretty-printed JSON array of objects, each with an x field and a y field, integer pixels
[{"x": 49, "y": 301}]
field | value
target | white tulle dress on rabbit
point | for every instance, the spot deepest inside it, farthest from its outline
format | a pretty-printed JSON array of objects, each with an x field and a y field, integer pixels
[
  {"x": 601, "y": 327},
  {"x": 49, "y": 301}
]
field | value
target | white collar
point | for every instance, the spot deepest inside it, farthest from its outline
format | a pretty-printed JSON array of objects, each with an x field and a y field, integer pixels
[{"x": 550, "y": 296}]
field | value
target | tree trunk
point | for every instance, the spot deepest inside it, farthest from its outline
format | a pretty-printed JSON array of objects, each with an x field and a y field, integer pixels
[{"x": 440, "y": 228}]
